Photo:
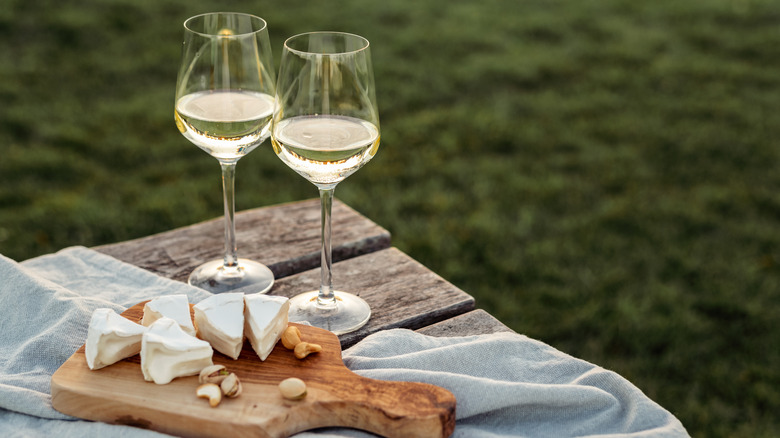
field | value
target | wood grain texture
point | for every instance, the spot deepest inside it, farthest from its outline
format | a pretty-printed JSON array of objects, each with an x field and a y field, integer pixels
[
  {"x": 118, "y": 394},
  {"x": 284, "y": 237},
  {"x": 476, "y": 322},
  {"x": 402, "y": 292}
]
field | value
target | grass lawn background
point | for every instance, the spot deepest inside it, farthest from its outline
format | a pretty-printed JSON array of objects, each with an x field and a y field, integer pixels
[{"x": 603, "y": 176}]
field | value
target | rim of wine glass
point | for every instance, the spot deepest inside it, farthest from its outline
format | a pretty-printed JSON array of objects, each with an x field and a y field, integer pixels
[
  {"x": 346, "y": 52},
  {"x": 211, "y": 35}
]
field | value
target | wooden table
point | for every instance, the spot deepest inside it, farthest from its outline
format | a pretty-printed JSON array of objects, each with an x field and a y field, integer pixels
[{"x": 402, "y": 292}]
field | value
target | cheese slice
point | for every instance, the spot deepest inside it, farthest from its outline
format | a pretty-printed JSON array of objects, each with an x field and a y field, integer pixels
[
  {"x": 111, "y": 338},
  {"x": 167, "y": 352},
  {"x": 265, "y": 318},
  {"x": 220, "y": 321},
  {"x": 176, "y": 307}
]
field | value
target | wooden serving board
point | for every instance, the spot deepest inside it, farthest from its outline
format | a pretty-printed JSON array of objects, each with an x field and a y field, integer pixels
[{"x": 118, "y": 394}]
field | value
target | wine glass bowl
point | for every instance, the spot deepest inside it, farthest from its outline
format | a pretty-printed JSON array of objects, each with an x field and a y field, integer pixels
[
  {"x": 224, "y": 105},
  {"x": 326, "y": 127}
]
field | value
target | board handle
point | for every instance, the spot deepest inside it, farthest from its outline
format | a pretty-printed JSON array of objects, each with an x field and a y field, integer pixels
[
  {"x": 410, "y": 409},
  {"x": 386, "y": 408}
]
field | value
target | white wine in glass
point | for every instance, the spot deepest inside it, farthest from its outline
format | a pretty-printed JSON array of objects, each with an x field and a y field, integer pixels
[
  {"x": 226, "y": 124},
  {"x": 326, "y": 127},
  {"x": 325, "y": 148},
  {"x": 224, "y": 105}
]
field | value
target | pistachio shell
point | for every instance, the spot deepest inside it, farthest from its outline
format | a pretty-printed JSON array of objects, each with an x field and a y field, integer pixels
[{"x": 293, "y": 388}]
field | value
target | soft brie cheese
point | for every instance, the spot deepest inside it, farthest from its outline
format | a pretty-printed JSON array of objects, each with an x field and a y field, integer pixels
[
  {"x": 168, "y": 352},
  {"x": 220, "y": 321},
  {"x": 176, "y": 307},
  {"x": 265, "y": 318},
  {"x": 111, "y": 338}
]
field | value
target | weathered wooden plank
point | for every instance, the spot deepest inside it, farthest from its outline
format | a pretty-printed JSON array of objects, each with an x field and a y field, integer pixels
[
  {"x": 476, "y": 322},
  {"x": 402, "y": 292},
  {"x": 284, "y": 237}
]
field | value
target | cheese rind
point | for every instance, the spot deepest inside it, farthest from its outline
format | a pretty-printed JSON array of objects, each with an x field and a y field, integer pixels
[
  {"x": 167, "y": 352},
  {"x": 220, "y": 321},
  {"x": 176, "y": 307},
  {"x": 111, "y": 338},
  {"x": 265, "y": 318}
]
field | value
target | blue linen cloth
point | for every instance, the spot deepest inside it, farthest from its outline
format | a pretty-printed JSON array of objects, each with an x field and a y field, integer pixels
[{"x": 506, "y": 385}]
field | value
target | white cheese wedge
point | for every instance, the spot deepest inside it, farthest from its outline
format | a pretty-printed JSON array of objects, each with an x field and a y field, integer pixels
[
  {"x": 176, "y": 307},
  {"x": 111, "y": 338},
  {"x": 265, "y": 318},
  {"x": 167, "y": 352},
  {"x": 220, "y": 321}
]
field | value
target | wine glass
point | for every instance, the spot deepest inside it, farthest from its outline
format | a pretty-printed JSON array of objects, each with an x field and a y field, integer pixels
[
  {"x": 326, "y": 127},
  {"x": 224, "y": 105}
]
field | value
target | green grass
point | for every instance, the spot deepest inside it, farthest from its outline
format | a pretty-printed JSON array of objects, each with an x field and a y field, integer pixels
[{"x": 601, "y": 175}]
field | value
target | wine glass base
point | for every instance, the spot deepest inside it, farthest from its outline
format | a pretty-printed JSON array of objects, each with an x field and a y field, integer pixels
[
  {"x": 248, "y": 277},
  {"x": 349, "y": 313}
]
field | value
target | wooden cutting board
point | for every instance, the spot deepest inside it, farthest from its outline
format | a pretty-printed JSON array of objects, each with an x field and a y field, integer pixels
[{"x": 118, "y": 394}]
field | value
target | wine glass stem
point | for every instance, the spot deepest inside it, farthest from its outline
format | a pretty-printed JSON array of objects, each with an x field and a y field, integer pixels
[
  {"x": 229, "y": 196},
  {"x": 325, "y": 296}
]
